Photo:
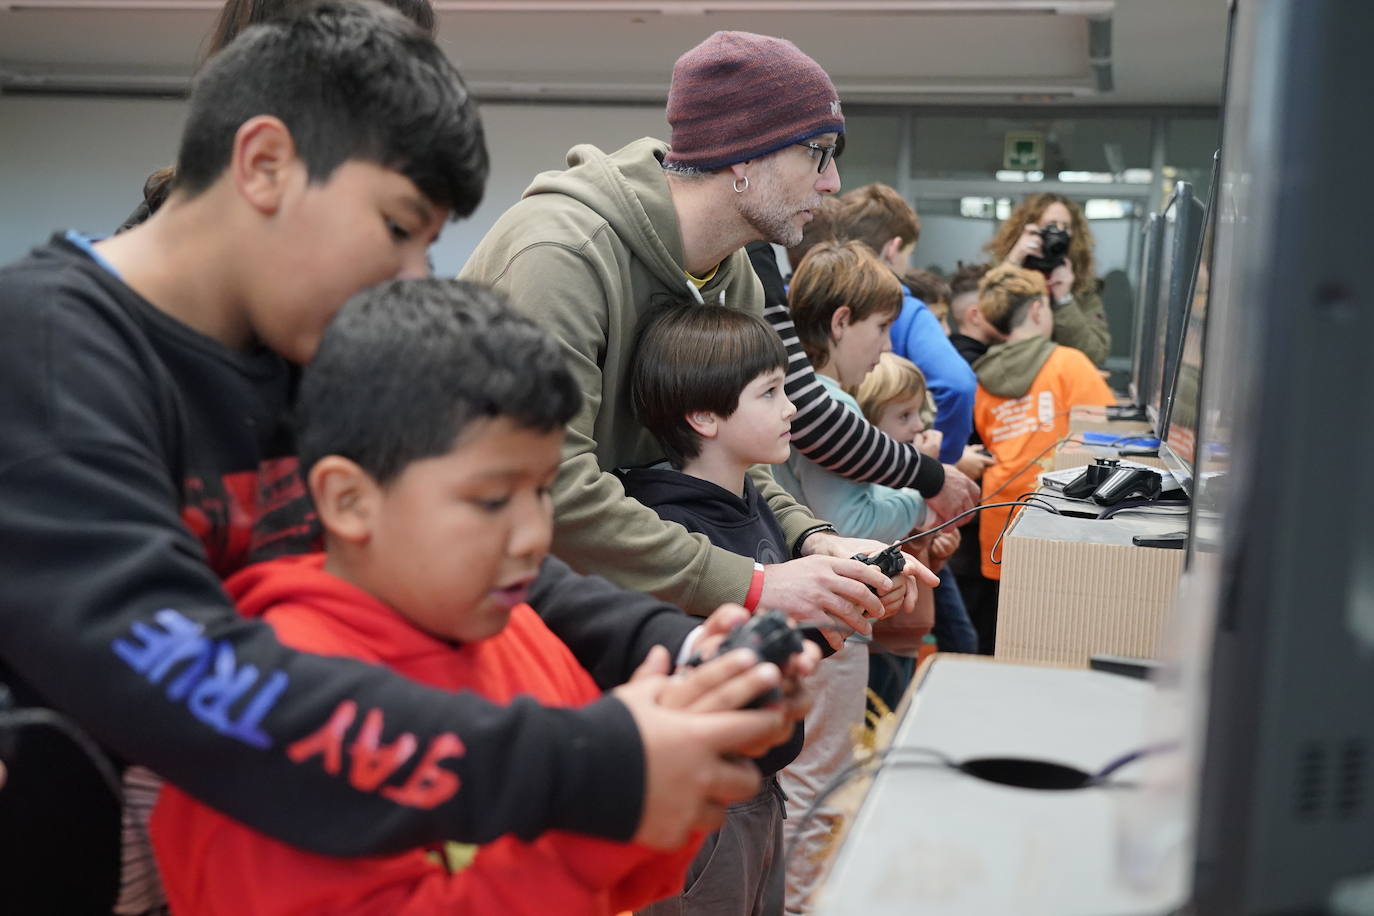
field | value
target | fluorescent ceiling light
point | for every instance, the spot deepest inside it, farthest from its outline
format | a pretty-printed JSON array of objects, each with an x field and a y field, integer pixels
[{"x": 662, "y": 7}]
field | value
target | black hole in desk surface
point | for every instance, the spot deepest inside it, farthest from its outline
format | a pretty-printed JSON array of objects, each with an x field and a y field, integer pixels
[{"x": 1026, "y": 774}]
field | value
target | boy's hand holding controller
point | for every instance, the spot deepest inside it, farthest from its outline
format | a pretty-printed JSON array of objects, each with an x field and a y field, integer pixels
[{"x": 695, "y": 735}]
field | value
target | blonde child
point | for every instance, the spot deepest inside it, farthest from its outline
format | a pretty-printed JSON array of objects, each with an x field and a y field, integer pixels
[{"x": 894, "y": 398}]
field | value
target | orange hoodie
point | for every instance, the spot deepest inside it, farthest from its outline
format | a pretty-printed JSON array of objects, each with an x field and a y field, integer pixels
[
  {"x": 212, "y": 864},
  {"x": 1025, "y": 392}
]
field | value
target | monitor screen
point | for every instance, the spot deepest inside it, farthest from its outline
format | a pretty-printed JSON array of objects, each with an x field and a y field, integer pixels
[
  {"x": 1184, "y": 399},
  {"x": 1178, "y": 255},
  {"x": 1147, "y": 297}
]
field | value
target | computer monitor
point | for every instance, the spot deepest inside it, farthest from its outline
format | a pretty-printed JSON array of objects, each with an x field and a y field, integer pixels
[
  {"x": 1183, "y": 400},
  {"x": 1269, "y": 651},
  {"x": 1178, "y": 252},
  {"x": 1147, "y": 299}
]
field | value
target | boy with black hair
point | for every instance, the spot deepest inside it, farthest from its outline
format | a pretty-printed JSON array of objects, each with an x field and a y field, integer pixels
[
  {"x": 431, "y": 423},
  {"x": 970, "y": 332},
  {"x": 707, "y": 382},
  {"x": 144, "y": 386}
]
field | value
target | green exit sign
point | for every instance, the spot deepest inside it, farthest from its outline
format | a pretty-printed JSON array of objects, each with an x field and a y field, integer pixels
[{"x": 1025, "y": 151}]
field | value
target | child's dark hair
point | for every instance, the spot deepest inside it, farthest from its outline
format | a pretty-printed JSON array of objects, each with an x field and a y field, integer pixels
[
  {"x": 929, "y": 287},
  {"x": 237, "y": 15},
  {"x": 350, "y": 80},
  {"x": 966, "y": 279},
  {"x": 697, "y": 357},
  {"x": 836, "y": 274},
  {"x": 406, "y": 367}
]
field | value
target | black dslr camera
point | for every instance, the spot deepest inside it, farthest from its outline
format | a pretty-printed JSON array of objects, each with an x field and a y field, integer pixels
[{"x": 1054, "y": 247}]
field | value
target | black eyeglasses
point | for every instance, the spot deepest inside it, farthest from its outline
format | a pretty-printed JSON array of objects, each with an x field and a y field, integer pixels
[{"x": 828, "y": 152}]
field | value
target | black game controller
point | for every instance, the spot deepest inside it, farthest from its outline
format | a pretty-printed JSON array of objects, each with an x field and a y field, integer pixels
[
  {"x": 1129, "y": 483},
  {"x": 773, "y": 639},
  {"x": 1093, "y": 476},
  {"x": 889, "y": 560}
]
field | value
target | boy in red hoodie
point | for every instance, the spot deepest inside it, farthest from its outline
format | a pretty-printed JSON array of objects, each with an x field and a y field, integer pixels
[{"x": 431, "y": 423}]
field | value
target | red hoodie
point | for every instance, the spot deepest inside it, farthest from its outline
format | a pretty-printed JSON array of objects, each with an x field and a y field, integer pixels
[{"x": 212, "y": 864}]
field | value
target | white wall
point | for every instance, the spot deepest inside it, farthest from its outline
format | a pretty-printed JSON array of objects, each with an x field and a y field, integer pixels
[
  {"x": 80, "y": 163},
  {"x": 77, "y": 163}
]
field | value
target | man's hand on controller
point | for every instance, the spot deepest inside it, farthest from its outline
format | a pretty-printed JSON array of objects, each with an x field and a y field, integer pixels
[
  {"x": 826, "y": 591},
  {"x": 896, "y": 594},
  {"x": 959, "y": 494}
]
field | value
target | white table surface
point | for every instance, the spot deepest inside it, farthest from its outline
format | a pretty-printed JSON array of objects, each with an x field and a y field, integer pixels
[{"x": 934, "y": 840}]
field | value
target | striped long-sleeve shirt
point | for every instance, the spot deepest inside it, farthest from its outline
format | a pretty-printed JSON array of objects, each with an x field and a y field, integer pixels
[
  {"x": 823, "y": 430},
  {"x": 838, "y": 439}
]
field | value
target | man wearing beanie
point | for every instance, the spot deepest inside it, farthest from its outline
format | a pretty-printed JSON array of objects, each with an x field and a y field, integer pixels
[{"x": 590, "y": 250}]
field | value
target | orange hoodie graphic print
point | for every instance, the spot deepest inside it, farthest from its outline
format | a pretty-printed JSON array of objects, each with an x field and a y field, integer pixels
[{"x": 1016, "y": 430}]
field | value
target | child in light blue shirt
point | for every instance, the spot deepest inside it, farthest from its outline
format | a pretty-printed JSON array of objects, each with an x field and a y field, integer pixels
[{"x": 843, "y": 301}]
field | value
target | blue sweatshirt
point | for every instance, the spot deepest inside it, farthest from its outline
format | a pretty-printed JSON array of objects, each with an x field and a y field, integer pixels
[{"x": 917, "y": 335}]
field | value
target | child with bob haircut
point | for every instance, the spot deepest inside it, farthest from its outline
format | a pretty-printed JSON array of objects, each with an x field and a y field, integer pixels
[
  {"x": 843, "y": 302},
  {"x": 893, "y": 397},
  {"x": 1026, "y": 387},
  {"x": 707, "y": 381},
  {"x": 431, "y": 422}
]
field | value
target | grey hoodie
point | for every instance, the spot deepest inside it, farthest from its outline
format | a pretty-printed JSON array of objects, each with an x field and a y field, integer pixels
[{"x": 587, "y": 252}]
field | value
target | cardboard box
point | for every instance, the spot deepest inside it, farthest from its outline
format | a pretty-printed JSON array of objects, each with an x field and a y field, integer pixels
[
  {"x": 1076, "y": 456},
  {"x": 1075, "y": 587}
]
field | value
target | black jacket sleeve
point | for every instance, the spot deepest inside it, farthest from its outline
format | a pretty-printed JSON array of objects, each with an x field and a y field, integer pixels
[
  {"x": 111, "y": 615},
  {"x": 609, "y": 629}
]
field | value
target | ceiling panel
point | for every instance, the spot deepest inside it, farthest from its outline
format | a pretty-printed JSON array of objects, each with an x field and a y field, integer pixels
[{"x": 1164, "y": 51}]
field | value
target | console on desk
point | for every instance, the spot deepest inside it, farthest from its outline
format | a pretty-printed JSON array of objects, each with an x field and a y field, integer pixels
[{"x": 1076, "y": 587}]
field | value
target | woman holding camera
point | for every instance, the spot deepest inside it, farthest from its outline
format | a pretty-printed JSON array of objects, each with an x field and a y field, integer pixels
[{"x": 1048, "y": 233}]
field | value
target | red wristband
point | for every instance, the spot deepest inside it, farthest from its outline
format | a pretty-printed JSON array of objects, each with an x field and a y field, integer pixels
[{"x": 751, "y": 598}]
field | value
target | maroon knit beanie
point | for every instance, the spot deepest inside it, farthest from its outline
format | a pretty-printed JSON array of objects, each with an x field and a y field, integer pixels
[{"x": 738, "y": 95}]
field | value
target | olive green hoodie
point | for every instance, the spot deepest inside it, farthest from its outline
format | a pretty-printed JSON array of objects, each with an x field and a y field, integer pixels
[
  {"x": 1008, "y": 369},
  {"x": 1082, "y": 324},
  {"x": 586, "y": 253}
]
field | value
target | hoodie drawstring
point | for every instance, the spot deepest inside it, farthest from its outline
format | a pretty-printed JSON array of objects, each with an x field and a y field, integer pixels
[{"x": 696, "y": 293}]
